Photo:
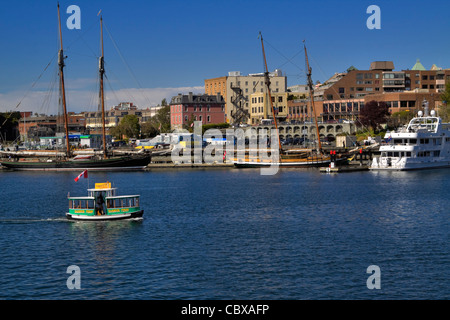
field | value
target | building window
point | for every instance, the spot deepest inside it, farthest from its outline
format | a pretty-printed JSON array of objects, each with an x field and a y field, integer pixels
[{"x": 208, "y": 118}]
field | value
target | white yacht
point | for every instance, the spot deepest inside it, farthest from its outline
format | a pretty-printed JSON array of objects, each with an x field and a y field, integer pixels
[{"x": 423, "y": 144}]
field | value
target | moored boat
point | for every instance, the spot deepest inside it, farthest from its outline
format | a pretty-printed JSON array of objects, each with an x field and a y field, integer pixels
[
  {"x": 316, "y": 158},
  {"x": 66, "y": 162},
  {"x": 129, "y": 162},
  {"x": 423, "y": 144},
  {"x": 103, "y": 203}
]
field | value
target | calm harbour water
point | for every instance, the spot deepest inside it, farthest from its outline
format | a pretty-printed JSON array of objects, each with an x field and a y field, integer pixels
[{"x": 230, "y": 234}]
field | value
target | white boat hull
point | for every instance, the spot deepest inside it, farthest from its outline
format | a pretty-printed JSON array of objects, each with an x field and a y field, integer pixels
[{"x": 412, "y": 166}]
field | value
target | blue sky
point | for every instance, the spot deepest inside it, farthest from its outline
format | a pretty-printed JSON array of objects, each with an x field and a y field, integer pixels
[{"x": 171, "y": 47}]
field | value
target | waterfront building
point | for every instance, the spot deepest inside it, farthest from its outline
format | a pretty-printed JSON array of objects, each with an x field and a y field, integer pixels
[
  {"x": 261, "y": 109},
  {"x": 343, "y": 95},
  {"x": 407, "y": 100},
  {"x": 39, "y": 125},
  {"x": 113, "y": 116},
  {"x": 237, "y": 89},
  {"x": 184, "y": 109}
]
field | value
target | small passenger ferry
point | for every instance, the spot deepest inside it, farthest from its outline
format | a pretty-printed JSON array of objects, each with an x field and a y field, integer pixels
[
  {"x": 102, "y": 203},
  {"x": 423, "y": 144}
]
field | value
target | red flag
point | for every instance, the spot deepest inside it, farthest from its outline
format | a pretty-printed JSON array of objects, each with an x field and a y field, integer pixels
[{"x": 84, "y": 173}]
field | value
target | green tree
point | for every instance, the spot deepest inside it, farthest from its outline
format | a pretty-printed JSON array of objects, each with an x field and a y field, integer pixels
[
  {"x": 400, "y": 118},
  {"x": 129, "y": 127},
  {"x": 444, "y": 110},
  {"x": 374, "y": 114},
  {"x": 160, "y": 122},
  {"x": 9, "y": 123}
]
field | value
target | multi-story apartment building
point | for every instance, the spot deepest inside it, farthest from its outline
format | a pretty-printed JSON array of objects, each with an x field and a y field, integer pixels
[
  {"x": 33, "y": 126},
  {"x": 261, "y": 108},
  {"x": 237, "y": 88},
  {"x": 344, "y": 94},
  {"x": 184, "y": 109}
]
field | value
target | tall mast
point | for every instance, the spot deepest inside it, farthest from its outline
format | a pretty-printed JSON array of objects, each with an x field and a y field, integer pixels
[
  {"x": 311, "y": 94},
  {"x": 102, "y": 95},
  {"x": 267, "y": 82},
  {"x": 63, "y": 92}
]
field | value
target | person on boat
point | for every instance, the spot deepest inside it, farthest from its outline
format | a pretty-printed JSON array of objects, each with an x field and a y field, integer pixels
[{"x": 99, "y": 204}]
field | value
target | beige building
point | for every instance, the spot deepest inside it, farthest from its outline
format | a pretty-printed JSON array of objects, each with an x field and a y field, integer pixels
[
  {"x": 236, "y": 90},
  {"x": 261, "y": 109}
]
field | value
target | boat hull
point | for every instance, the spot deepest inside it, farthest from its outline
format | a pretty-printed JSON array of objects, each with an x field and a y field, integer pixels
[
  {"x": 413, "y": 166},
  {"x": 288, "y": 163},
  {"x": 108, "y": 217},
  {"x": 117, "y": 163}
]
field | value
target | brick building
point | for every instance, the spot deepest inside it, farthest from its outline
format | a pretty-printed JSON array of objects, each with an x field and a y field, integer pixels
[
  {"x": 344, "y": 94},
  {"x": 184, "y": 109}
]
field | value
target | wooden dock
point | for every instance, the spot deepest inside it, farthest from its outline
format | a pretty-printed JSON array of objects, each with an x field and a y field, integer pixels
[{"x": 349, "y": 168}]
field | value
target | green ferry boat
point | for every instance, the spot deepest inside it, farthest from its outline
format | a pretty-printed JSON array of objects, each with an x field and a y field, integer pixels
[{"x": 102, "y": 203}]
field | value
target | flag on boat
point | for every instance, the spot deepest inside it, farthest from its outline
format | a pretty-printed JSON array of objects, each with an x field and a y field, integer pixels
[{"x": 84, "y": 173}]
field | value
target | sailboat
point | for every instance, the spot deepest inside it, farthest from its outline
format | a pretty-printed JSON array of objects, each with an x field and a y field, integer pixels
[
  {"x": 66, "y": 163},
  {"x": 289, "y": 159}
]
